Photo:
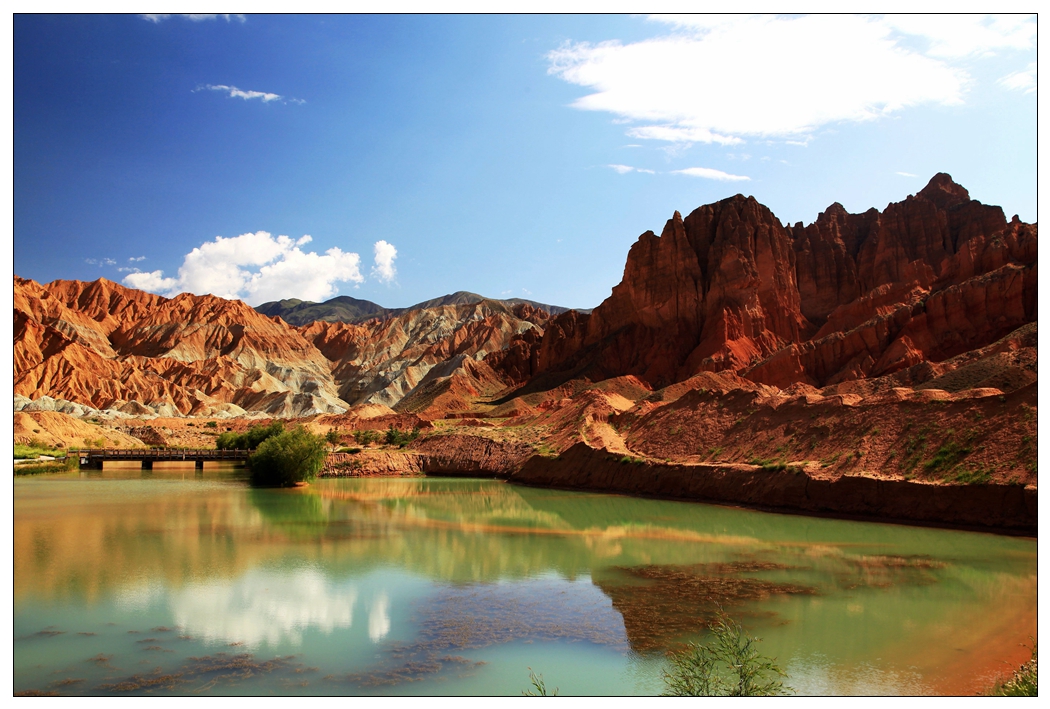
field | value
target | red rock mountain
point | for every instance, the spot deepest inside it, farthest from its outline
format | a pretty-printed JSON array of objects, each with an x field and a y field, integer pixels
[
  {"x": 109, "y": 347},
  {"x": 848, "y": 297},
  {"x": 728, "y": 288}
]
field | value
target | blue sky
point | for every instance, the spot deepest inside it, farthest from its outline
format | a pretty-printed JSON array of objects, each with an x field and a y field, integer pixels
[{"x": 405, "y": 157}]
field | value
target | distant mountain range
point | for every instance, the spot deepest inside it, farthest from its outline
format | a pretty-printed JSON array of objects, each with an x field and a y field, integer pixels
[{"x": 353, "y": 310}]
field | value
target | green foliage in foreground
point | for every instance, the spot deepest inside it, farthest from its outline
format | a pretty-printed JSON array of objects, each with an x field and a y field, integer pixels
[
  {"x": 250, "y": 439},
  {"x": 539, "y": 686},
  {"x": 1024, "y": 683},
  {"x": 287, "y": 458},
  {"x": 729, "y": 665}
]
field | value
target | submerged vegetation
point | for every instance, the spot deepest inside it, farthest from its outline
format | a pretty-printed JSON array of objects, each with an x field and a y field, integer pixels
[{"x": 729, "y": 665}]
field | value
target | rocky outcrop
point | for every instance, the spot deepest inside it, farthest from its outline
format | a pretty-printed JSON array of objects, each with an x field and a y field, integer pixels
[
  {"x": 1000, "y": 507},
  {"x": 848, "y": 297},
  {"x": 471, "y": 455}
]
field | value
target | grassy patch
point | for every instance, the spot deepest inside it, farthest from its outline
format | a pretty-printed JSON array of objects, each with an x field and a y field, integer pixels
[
  {"x": 946, "y": 457},
  {"x": 35, "y": 449},
  {"x": 768, "y": 464},
  {"x": 975, "y": 476},
  {"x": 51, "y": 466},
  {"x": 1023, "y": 683}
]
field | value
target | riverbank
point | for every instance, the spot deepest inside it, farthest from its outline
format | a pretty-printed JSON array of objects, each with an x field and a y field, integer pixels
[{"x": 1009, "y": 509}]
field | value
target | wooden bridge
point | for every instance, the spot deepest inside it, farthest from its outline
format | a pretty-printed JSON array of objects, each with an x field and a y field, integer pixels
[{"x": 96, "y": 458}]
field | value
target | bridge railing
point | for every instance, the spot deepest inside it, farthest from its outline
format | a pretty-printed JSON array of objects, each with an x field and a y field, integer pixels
[{"x": 141, "y": 453}]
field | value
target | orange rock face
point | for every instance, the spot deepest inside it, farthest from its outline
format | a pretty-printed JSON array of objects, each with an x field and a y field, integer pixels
[
  {"x": 848, "y": 297},
  {"x": 105, "y": 346}
]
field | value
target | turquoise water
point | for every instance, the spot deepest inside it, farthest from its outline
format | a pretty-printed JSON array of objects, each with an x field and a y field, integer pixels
[{"x": 130, "y": 582}]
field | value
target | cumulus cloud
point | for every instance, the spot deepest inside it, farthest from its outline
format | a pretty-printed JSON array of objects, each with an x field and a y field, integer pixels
[
  {"x": 709, "y": 173},
  {"x": 384, "y": 269},
  {"x": 624, "y": 169},
  {"x": 158, "y": 18},
  {"x": 256, "y": 268},
  {"x": 1024, "y": 80},
  {"x": 723, "y": 79}
]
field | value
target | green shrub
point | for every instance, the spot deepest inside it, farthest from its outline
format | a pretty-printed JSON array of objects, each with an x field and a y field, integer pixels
[
  {"x": 211, "y": 424},
  {"x": 287, "y": 458},
  {"x": 250, "y": 439},
  {"x": 332, "y": 438},
  {"x": 727, "y": 666},
  {"x": 395, "y": 437},
  {"x": 364, "y": 438}
]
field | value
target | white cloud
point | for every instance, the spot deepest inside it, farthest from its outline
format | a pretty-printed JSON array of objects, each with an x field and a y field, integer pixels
[
  {"x": 710, "y": 174},
  {"x": 957, "y": 36},
  {"x": 234, "y": 92},
  {"x": 385, "y": 253},
  {"x": 906, "y": 174},
  {"x": 257, "y": 268},
  {"x": 722, "y": 79},
  {"x": 100, "y": 261},
  {"x": 1024, "y": 80},
  {"x": 624, "y": 169},
  {"x": 137, "y": 258},
  {"x": 157, "y": 18}
]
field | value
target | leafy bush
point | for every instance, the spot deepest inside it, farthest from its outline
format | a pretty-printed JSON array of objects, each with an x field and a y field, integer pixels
[
  {"x": 364, "y": 438},
  {"x": 728, "y": 666},
  {"x": 287, "y": 458},
  {"x": 395, "y": 437},
  {"x": 212, "y": 424},
  {"x": 332, "y": 438},
  {"x": 250, "y": 439}
]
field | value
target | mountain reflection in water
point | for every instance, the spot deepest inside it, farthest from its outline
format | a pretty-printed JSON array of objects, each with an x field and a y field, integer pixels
[{"x": 381, "y": 585}]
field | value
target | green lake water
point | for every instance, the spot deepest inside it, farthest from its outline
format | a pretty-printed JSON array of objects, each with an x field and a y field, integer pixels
[{"x": 182, "y": 582}]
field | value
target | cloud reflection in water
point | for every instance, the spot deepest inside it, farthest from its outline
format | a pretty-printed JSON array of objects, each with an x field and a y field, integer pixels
[{"x": 264, "y": 607}]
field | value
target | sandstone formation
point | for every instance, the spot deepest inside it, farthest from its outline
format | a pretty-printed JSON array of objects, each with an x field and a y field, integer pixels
[
  {"x": 112, "y": 350},
  {"x": 848, "y": 297}
]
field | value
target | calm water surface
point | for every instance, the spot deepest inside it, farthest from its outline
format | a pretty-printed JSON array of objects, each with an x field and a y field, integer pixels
[{"x": 130, "y": 582}]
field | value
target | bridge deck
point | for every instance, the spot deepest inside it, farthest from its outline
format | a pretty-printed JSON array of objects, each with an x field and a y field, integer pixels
[{"x": 94, "y": 457}]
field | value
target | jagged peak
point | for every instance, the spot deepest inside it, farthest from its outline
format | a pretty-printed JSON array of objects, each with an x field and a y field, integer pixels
[{"x": 943, "y": 191}]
